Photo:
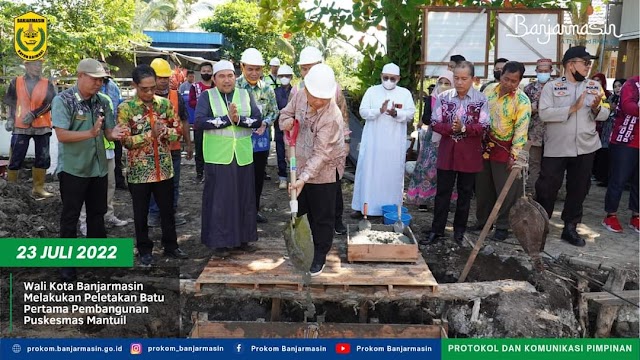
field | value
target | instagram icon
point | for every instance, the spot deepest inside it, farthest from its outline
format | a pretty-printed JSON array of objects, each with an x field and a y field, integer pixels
[{"x": 136, "y": 349}]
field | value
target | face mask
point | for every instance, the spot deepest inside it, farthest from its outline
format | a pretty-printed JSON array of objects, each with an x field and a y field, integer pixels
[
  {"x": 443, "y": 87},
  {"x": 206, "y": 77},
  {"x": 496, "y": 75},
  {"x": 389, "y": 85},
  {"x": 543, "y": 77},
  {"x": 285, "y": 81},
  {"x": 578, "y": 76}
]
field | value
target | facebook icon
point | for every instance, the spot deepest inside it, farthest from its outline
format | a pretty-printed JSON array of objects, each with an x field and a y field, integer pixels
[{"x": 239, "y": 348}]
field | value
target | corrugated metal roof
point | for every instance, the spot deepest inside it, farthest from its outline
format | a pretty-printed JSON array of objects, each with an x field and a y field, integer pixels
[{"x": 185, "y": 37}]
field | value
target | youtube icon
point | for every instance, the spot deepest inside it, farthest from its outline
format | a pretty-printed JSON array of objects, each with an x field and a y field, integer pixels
[{"x": 343, "y": 348}]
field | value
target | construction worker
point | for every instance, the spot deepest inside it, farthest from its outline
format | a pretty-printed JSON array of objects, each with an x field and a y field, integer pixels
[
  {"x": 272, "y": 78},
  {"x": 252, "y": 63},
  {"x": 309, "y": 57},
  {"x": 227, "y": 114},
  {"x": 163, "y": 73},
  {"x": 29, "y": 98},
  {"x": 320, "y": 155}
]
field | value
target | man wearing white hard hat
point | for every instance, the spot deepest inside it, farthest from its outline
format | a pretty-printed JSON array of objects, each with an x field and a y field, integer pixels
[
  {"x": 320, "y": 154},
  {"x": 272, "y": 78},
  {"x": 309, "y": 57},
  {"x": 252, "y": 63},
  {"x": 285, "y": 74},
  {"x": 227, "y": 115},
  {"x": 386, "y": 108}
]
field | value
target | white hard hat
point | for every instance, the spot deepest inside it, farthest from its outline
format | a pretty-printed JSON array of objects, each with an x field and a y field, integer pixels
[
  {"x": 274, "y": 62},
  {"x": 310, "y": 55},
  {"x": 321, "y": 82},
  {"x": 252, "y": 56},
  {"x": 285, "y": 70}
]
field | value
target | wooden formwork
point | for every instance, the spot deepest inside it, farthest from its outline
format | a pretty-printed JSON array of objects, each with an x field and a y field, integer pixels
[{"x": 205, "y": 329}]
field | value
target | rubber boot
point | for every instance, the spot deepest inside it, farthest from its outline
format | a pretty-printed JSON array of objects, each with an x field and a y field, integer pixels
[
  {"x": 38, "y": 191},
  {"x": 12, "y": 176}
]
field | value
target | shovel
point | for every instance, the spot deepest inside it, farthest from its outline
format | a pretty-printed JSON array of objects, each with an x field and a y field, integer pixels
[
  {"x": 297, "y": 233},
  {"x": 364, "y": 224}
]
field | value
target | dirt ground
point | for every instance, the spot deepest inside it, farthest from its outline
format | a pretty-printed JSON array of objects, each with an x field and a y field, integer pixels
[{"x": 551, "y": 310}]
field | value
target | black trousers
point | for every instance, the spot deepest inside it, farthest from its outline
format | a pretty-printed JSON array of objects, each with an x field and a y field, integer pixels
[
  {"x": 259, "y": 166},
  {"x": 601, "y": 165},
  {"x": 552, "y": 172},
  {"x": 118, "y": 159},
  {"x": 75, "y": 191},
  {"x": 445, "y": 182},
  {"x": 163, "y": 194},
  {"x": 199, "y": 158},
  {"x": 339, "y": 203},
  {"x": 318, "y": 202}
]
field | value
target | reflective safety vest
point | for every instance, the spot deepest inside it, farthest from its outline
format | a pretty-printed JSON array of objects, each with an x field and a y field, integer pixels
[
  {"x": 28, "y": 102},
  {"x": 108, "y": 145},
  {"x": 219, "y": 146}
]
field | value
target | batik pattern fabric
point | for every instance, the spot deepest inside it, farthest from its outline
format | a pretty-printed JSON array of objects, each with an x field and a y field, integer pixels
[{"x": 149, "y": 158}]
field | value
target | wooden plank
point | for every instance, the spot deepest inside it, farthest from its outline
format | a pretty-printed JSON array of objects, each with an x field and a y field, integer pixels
[
  {"x": 608, "y": 313},
  {"x": 275, "y": 309},
  {"x": 363, "y": 312},
  {"x": 604, "y": 298},
  {"x": 247, "y": 329},
  {"x": 583, "y": 304},
  {"x": 355, "y": 294},
  {"x": 274, "y": 269}
]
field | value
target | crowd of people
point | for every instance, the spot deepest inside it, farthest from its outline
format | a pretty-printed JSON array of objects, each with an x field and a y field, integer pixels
[{"x": 470, "y": 140}]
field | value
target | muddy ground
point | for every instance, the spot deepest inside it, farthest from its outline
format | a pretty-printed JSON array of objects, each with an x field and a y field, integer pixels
[{"x": 548, "y": 313}]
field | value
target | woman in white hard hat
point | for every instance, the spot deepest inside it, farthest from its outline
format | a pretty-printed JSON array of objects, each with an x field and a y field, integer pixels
[{"x": 320, "y": 155}]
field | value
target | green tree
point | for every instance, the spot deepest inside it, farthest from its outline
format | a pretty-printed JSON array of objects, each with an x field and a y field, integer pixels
[
  {"x": 8, "y": 11},
  {"x": 167, "y": 15},
  {"x": 237, "y": 21}
]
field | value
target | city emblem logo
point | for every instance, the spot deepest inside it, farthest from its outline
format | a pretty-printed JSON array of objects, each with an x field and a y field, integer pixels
[{"x": 30, "y": 36}]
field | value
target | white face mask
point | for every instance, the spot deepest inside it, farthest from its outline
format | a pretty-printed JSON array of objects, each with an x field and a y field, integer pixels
[
  {"x": 389, "y": 85},
  {"x": 285, "y": 81}
]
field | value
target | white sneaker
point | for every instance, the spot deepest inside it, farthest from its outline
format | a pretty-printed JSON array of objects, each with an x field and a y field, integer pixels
[
  {"x": 116, "y": 222},
  {"x": 282, "y": 185},
  {"x": 83, "y": 229}
]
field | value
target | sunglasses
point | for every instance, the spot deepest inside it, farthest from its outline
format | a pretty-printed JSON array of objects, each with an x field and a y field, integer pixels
[
  {"x": 389, "y": 78},
  {"x": 587, "y": 63}
]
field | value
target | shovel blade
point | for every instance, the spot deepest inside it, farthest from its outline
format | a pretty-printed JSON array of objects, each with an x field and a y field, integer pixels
[
  {"x": 299, "y": 242},
  {"x": 530, "y": 225}
]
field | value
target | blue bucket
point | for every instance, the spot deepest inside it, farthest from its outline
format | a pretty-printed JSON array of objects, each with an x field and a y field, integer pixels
[
  {"x": 391, "y": 218},
  {"x": 393, "y": 209}
]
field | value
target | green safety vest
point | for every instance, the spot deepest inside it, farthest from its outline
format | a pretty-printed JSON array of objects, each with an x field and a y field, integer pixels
[
  {"x": 108, "y": 145},
  {"x": 219, "y": 146}
]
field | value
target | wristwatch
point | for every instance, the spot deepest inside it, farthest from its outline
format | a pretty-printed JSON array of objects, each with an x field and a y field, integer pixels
[{"x": 347, "y": 140}]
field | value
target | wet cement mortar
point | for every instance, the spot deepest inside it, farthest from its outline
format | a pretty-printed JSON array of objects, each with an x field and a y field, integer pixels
[{"x": 549, "y": 312}]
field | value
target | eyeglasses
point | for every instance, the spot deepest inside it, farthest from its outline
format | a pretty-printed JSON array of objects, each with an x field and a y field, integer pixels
[
  {"x": 389, "y": 78},
  {"x": 587, "y": 63}
]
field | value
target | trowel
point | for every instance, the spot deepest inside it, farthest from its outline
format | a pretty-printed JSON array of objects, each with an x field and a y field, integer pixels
[{"x": 364, "y": 224}]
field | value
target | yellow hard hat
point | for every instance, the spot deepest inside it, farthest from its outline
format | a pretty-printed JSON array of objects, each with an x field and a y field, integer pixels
[{"x": 161, "y": 67}]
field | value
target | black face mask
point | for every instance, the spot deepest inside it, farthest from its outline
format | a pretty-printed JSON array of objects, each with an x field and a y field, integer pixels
[
  {"x": 205, "y": 77},
  {"x": 496, "y": 75},
  {"x": 578, "y": 76}
]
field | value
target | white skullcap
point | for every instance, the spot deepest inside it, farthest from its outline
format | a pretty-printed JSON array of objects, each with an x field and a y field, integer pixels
[
  {"x": 223, "y": 65},
  {"x": 391, "y": 69}
]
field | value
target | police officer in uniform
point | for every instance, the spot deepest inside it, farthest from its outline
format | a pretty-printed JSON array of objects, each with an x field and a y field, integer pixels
[{"x": 570, "y": 107}]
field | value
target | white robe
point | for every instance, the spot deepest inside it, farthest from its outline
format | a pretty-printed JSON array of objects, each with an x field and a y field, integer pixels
[{"x": 380, "y": 170}]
